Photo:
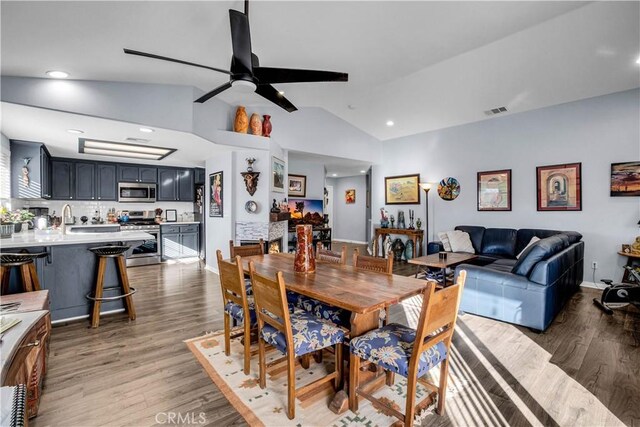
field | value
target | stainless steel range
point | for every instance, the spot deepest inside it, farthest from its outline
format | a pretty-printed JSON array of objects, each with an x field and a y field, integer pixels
[{"x": 148, "y": 252}]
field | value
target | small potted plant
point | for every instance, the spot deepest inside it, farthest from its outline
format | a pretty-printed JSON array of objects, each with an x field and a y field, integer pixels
[
  {"x": 6, "y": 225},
  {"x": 19, "y": 218}
]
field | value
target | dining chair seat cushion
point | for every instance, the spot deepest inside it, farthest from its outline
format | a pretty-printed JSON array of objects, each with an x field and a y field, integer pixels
[
  {"x": 236, "y": 311},
  {"x": 391, "y": 347},
  {"x": 309, "y": 334},
  {"x": 339, "y": 316}
]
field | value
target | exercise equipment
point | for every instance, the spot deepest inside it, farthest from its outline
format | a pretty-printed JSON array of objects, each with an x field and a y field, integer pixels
[{"x": 621, "y": 294}]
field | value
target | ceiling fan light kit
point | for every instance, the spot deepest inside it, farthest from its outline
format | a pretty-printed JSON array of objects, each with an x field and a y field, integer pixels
[{"x": 246, "y": 74}]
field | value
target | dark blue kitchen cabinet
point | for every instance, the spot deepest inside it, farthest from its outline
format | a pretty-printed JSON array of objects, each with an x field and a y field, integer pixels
[
  {"x": 147, "y": 174},
  {"x": 106, "y": 185},
  {"x": 35, "y": 157},
  {"x": 199, "y": 176},
  {"x": 85, "y": 180},
  {"x": 45, "y": 173},
  {"x": 62, "y": 183},
  {"x": 185, "y": 185},
  {"x": 167, "y": 185},
  {"x": 128, "y": 173},
  {"x": 180, "y": 241}
]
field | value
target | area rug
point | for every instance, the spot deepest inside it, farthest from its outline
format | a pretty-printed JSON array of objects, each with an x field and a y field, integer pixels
[{"x": 267, "y": 407}]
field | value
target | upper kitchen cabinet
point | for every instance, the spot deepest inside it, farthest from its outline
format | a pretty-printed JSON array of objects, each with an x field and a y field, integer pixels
[
  {"x": 30, "y": 170},
  {"x": 106, "y": 185},
  {"x": 85, "y": 180},
  {"x": 199, "y": 176},
  {"x": 175, "y": 185},
  {"x": 62, "y": 172},
  {"x": 135, "y": 173}
]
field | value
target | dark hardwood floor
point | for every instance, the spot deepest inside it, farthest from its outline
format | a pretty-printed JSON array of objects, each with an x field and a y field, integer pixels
[{"x": 130, "y": 373}]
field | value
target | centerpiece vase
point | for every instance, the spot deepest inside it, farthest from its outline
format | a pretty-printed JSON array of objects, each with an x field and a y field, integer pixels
[{"x": 304, "y": 260}]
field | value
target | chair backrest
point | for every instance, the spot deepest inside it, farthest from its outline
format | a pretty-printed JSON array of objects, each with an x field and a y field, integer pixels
[
  {"x": 246, "y": 250},
  {"x": 438, "y": 315},
  {"x": 371, "y": 263},
  {"x": 270, "y": 297},
  {"x": 326, "y": 255},
  {"x": 232, "y": 282}
]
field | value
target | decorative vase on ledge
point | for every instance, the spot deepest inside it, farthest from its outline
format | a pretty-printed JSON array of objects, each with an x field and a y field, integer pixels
[
  {"x": 304, "y": 260},
  {"x": 255, "y": 124},
  {"x": 241, "y": 123},
  {"x": 266, "y": 126}
]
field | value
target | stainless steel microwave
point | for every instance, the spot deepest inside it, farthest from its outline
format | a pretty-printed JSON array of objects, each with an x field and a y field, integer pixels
[{"x": 136, "y": 192}]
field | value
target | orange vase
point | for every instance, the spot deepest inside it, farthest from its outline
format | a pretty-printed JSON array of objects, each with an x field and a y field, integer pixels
[
  {"x": 304, "y": 262},
  {"x": 241, "y": 123}
]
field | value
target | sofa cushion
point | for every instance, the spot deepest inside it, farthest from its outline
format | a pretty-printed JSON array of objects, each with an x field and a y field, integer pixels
[
  {"x": 476, "y": 234},
  {"x": 531, "y": 242},
  {"x": 499, "y": 241},
  {"x": 444, "y": 239},
  {"x": 460, "y": 242},
  {"x": 525, "y": 234},
  {"x": 537, "y": 252},
  {"x": 574, "y": 236}
]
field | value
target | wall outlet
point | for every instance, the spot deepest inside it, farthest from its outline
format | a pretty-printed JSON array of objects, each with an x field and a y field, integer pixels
[{"x": 594, "y": 265}]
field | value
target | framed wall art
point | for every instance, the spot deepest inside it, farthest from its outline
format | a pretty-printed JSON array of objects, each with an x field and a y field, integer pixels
[
  {"x": 350, "y": 196},
  {"x": 494, "y": 190},
  {"x": 297, "y": 185},
  {"x": 277, "y": 175},
  {"x": 625, "y": 179},
  {"x": 402, "y": 190},
  {"x": 449, "y": 188},
  {"x": 559, "y": 187},
  {"x": 215, "y": 194}
]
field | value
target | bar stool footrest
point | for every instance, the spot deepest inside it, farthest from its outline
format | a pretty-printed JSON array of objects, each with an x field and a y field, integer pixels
[{"x": 117, "y": 297}]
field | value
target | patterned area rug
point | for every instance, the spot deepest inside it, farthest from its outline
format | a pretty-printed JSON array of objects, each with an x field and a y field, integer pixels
[{"x": 268, "y": 406}]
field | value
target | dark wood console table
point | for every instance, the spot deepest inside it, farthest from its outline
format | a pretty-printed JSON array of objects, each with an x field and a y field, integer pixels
[
  {"x": 415, "y": 235},
  {"x": 633, "y": 260}
]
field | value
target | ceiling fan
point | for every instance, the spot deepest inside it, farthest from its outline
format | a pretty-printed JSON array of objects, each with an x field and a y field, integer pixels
[{"x": 246, "y": 70}]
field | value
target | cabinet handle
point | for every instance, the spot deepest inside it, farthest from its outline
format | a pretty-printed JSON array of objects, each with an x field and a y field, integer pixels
[
  {"x": 36, "y": 343},
  {"x": 98, "y": 198}
]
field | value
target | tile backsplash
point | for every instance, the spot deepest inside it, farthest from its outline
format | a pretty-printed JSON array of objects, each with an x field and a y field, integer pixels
[{"x": 87, "y": 208}]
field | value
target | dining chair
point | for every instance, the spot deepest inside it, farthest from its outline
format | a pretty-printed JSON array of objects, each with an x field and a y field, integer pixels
[
  {"x": 333, "y": 257},
  {"x": 379, "y": 265},
  {"x": 411, "y": 352},
  {"x": 237, "y": 305},
  {"x": 293, "y": 334},
  {"x": 246, "y": 250}
]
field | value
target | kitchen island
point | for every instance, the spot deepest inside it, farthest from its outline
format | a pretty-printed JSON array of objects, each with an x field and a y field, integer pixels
[{"x": 69, "y": 269}]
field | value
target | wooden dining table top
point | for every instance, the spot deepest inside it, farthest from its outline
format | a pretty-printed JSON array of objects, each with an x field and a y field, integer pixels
[{"x": 339, "y": 285}]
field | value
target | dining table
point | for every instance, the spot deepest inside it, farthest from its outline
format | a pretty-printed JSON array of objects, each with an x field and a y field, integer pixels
[{"x": 363, "y": 293}]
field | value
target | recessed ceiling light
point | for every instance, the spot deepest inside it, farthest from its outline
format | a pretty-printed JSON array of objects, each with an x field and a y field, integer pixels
[
  {"x": 390, "y": 123},
  {"x": 334, "y": 174},
  {"x": 57, "y": 74},
  {"x": 638, "y": 61},
  {"x": 118, "y": 149},
  {"x": 146, "y": 130},
  {"x": 281, "y": 92},
  {"x": 76, "y": 131},
  {"x": 363, "y": 171}
]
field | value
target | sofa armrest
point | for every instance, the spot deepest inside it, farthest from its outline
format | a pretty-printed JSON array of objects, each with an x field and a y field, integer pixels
[
  {"x": 434, "y": 247},
  {"x": 477, "y": 273}
]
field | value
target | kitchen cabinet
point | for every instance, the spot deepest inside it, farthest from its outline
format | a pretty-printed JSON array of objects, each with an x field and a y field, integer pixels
[
  {"x": 135, "y": 173},
  {"x": 180, "y": 241},
  {"x": 106, "y": 185},
  {"x": 85, "y": 180},
  {"x": 62, "y": 173},
  {"x": 45, "y": 172},
  {"x": 175, "y": 185},
  {"x": 199, "y": 176},
  {"x": 37, "y": 160}
]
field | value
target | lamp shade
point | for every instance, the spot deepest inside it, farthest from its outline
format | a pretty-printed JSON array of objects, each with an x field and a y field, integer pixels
[{"x": 426, "y": 186}]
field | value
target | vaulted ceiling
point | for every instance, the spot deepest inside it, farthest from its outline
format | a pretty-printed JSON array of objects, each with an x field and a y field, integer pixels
[{"x": 424, "y": 65}]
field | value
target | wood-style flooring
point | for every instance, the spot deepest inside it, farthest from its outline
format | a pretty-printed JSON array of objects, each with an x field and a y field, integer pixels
[{"x": 135, "y": 373}]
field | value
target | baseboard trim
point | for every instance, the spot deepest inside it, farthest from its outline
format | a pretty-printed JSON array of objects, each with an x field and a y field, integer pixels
[
  {"x": 592, "y": 285},
  {"x": 211, "y": 269},
  {"x": 85, "y": 316},
  {"x": 357, "y": 242}
]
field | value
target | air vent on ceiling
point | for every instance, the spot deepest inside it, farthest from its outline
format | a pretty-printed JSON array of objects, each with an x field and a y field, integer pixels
[
  {"x": 138, "y": 140},
  {"x": 495, "y": 111}
]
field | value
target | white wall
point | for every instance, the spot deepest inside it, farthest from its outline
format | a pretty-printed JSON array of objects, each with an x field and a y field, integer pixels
[
  {"x": 315, "y": 177},
  {"x": 262, "y": 194},
  {"x": 349, "y": 220},
  {"x": 220, "y": 230},
  {"x": 596, "y": 132}
]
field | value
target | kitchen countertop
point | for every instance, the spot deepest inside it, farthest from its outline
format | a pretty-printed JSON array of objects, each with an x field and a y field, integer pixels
[
  {"x": 180, "y": 223},
  {"x": 93, "y": 225},
  {"x": 29, "y": 239}
]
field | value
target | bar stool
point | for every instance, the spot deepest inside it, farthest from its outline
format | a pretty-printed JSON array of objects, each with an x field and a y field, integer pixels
[
  {"x": 26, "y": 263},
  {"x": 117, "y": 252}
]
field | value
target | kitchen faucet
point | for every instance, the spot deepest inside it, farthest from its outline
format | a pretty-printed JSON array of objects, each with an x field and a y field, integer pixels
[{"x": 64, "y": 210}]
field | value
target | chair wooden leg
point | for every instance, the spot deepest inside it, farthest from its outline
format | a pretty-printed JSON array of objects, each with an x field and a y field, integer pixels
[
  {"x": 354, "y": 378},
  {"x": 35, "y": 281},
  {"x": 262, "y": 363},
  {"x": 95, "y": 313},
  {"x": 227, "y": 334},
  {"x": 390, "y": 378},
  {"x": 411, "y": 399},
  {"x": 339, "y": 364},
  {"x": 442, "y": 389},
  {"x": 25, "y": 275},
  {"x": 317, "y": 356},
  {"x": 305, "y": 360},
  {"x": 247, "y": 347},
  {"x": 5, "y": 276},
  {"x": 291, "y": 384},
  {"x": 124, "y": 280}
]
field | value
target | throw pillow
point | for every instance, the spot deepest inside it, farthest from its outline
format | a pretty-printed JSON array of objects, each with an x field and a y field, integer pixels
[
  {"x": 460, "y": 242},
  {"x": 444, "y": 239},
  {"x": 531, "y": 242}
]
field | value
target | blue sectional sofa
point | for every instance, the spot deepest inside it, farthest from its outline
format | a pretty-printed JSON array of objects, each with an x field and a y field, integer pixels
[{"x": 528, "y": 291}]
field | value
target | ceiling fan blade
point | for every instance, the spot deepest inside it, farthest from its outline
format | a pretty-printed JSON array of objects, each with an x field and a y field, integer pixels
[
  {"x": 241, "y": 43},
  {"x": 179, "y": 61},
  {"x": 207, "y": 96},
  {"x": 269, "y": 92},
  {"x": 290, "y": 75}
]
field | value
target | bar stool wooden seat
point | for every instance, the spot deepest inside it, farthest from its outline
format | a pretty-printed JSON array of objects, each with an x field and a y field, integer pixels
[
  {"x": 26, "y": 264},
  {"x": 103, "y": 253}
]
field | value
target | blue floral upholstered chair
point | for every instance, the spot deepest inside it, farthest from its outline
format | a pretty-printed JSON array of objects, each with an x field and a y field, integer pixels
[
  {"x": 293, "y": 334},
  {"x": 411, "y": 353}
]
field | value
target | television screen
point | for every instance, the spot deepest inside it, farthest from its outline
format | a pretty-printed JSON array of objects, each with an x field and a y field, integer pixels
[{"x": 305, "y": 211}]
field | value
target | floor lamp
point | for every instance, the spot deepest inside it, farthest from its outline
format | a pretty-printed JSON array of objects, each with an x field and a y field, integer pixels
[{"x": 426, "y": 186}]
